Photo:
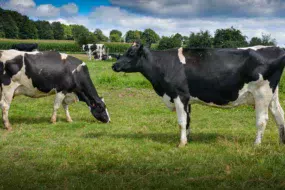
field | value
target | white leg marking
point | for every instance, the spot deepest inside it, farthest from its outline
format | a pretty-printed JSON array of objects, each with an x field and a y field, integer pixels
[
  {"x": 262, "y": 96},
  {"x": 90, "y": 54},
  {"x": 6, "y": 99},
  {"x": 181, "y": 56},
  {"x": 278, "y": 115},
  {"x": 57, "y": 102},
  {"x": 65, "y": 107},
  {"x": 182, "y": 120}
]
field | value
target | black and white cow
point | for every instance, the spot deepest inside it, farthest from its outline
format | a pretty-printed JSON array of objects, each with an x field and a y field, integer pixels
[
  {"x": 216, "y": 77},
  {"x": 97, "y": 50},
  {"x": 38, "y": 74},
  {"x": 25, "y": 47}
]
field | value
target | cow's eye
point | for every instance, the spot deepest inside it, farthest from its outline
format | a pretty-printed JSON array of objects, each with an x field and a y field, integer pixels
[{"x": 132, "y": 53}]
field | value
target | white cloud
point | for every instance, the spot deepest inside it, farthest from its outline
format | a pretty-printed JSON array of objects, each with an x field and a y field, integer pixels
[
  {"x": 189, "y": 8},
  {"x": 69, "y": 9},
  {"x": 47, "y": 10},
  {"x": 22, "y": 3},
  {"x": 43, "y": 11}
]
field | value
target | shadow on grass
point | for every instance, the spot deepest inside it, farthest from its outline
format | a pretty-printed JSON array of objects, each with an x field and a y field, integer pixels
[
  {"x": 30, "y": 120},
  {"x": 163, "y": 137}
]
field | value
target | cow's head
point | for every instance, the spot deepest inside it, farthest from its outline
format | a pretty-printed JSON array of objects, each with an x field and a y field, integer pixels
[
  {"x": 97, "y": 107},
  {"x": 131, "y": 61},
  {"x": 99, "y": 111}
]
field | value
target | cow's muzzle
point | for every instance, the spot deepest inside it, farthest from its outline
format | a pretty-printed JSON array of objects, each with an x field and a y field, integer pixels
[{"x": 116, "y": 67}]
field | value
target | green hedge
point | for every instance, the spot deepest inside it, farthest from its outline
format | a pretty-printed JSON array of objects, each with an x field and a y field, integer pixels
[
  {"x": 45, "y": 46},
  {"x": 117, "y": 47}
]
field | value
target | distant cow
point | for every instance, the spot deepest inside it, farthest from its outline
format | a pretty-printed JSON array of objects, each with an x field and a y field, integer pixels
[
  {"x": 38, "y": 74},
  {"x": 97, "y": 50},
  {"x": 25, "y": 47},
  {"x": 215, "y": 77}
]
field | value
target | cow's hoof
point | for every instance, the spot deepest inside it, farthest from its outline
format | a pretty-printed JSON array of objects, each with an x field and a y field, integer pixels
[
  {"x": 53, "y": 121},
  {"x": 69, "y": 120},
  {"x": 8, "y": 127},
  {"x": 257, "y": 143},
  {"x": 182, "y": 144}
]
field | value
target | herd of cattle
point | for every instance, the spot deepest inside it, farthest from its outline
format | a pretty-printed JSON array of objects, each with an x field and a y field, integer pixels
[{"x": 216, "y": 77}]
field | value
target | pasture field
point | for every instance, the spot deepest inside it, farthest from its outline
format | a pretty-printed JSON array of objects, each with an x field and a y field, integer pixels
[{"x": 137, "y": 150}]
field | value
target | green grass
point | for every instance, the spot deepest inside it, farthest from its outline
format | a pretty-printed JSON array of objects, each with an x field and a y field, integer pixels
[{"x": 137, "y": 150}]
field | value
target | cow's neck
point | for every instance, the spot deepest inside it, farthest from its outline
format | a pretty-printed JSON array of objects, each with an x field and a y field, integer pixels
[{"x": 150, "y": 71}]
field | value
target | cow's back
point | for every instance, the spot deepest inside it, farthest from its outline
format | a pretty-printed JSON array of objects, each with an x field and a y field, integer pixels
[
  {"x": 50, "y": 70},
  {"x": 217, "y": 75}
]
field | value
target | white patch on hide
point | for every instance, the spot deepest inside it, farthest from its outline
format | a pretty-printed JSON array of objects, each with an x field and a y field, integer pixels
[
  {"x": 63, "y": 56},
  {"x": 255, "y": 47},
  {"x": 181, "y": 56}
]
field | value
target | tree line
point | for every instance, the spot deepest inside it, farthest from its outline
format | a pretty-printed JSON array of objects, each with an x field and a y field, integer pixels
[{"x": 16, "y": 26}]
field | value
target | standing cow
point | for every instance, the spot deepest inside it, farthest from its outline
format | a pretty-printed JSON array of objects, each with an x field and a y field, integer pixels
[
  {"x": 38, "y": 74},
  {"x": 216, "y": 77},
  {"x": 25, "y": 47},
  {"x": 97, "y": 50}
]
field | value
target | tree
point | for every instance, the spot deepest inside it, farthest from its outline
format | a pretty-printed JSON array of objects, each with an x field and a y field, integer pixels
[
  {"x": 185, "y": 40},
  {"x": 89, "y": 38},
  {"x": 255, "y": 41},
  {"x": 2, "y": 31},
  {"x": 9, "y": 26},
  {"x": 78, "y": 30},
  {"x": 45, "y": 30},
  {"x": 58, "y": 30},
  {"x": 17, "y": 17},
  {"x": 169, "y": 42},
  {"x": 67, "y": 32},
  {"x": 115, "y": 36},
  {"x": 28, "y": 30},
  {"x": 133, "y": 35},
  {"x": 202, "y": 39},
  {"x": 178, "y": 37},
  {"x": 267, "y": 40},
  {"x": 100, "y": 36},
  {"x": 149, "y": 36},
  {"x": 229, "y": 38},
  {"x": 82, "y": 35}
]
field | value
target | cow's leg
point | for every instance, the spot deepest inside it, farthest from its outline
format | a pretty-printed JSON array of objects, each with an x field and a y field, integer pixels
[
  {"x": 90, "y": 55},
  {"x": 6, "y": 99},
  {"x": 188, "y": 129},
  {"x": 182, "y": 110},
  {"x": 263, "y": 97},
  {"x": 57, "y": 102},
  {"x": 278, "y": 114},
  {"x": 65, "y": 107}
]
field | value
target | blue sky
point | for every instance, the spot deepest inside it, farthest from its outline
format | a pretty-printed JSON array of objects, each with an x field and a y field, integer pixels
[
  {"x": 166, "y": 17},
  {"x": 85, "y": 7}
]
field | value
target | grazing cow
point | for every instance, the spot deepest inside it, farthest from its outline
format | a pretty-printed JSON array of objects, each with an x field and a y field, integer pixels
[
  {"x": 97, "y": 50},
  {"x": 38, "y": 74},
  {"x": 25, "y": 47},
  {"x": 216, "y": 77}
]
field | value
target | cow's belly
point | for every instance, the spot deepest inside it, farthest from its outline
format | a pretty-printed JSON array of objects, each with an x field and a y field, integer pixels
[
  {"x": 244, "y": 97},
  {"x": 31, "y": 92}
]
